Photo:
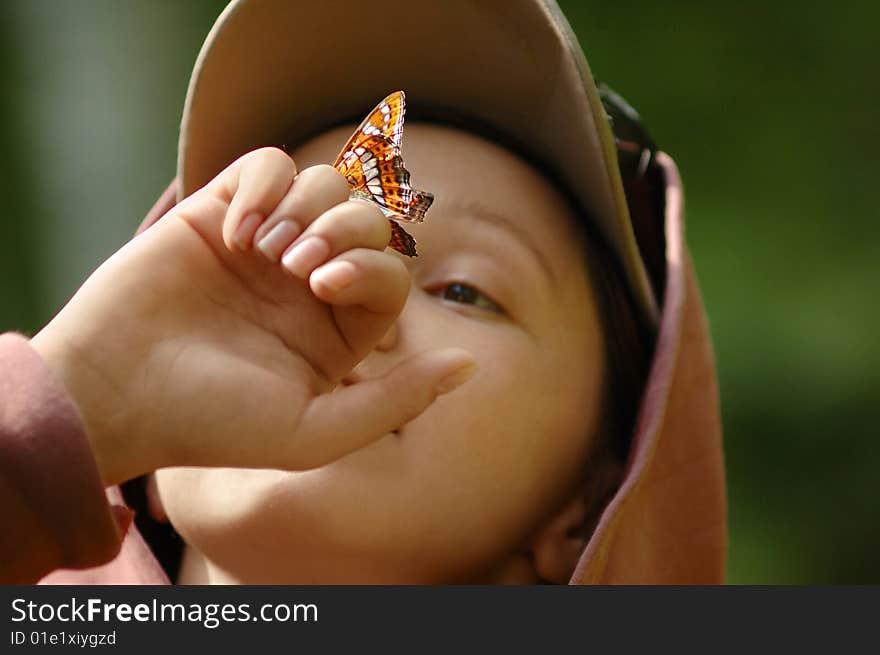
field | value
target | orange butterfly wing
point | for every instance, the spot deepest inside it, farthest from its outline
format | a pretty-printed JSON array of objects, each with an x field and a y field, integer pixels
[
  {"x": 385, "y": 119},
  {"x": 373, "y": 166}
]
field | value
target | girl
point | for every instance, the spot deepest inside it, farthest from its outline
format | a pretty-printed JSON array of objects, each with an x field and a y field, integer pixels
[{"x": 531, "y": 399}]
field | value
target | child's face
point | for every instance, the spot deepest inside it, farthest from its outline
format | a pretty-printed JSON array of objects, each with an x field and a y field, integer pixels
[{"x": 457, "y": 494}]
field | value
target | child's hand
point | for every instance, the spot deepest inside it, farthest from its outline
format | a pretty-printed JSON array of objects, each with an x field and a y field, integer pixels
[{"x": 191, "y": 347}]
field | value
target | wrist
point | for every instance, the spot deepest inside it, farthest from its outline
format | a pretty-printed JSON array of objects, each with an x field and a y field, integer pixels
[{"x": 88, "y": 392}]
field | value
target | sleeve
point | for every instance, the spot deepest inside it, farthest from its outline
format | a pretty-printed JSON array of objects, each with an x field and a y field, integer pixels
[{"x": 53, "y": 510}]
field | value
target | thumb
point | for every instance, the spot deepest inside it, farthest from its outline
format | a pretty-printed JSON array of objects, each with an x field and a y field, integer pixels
[{"x": 349, "y": 418}]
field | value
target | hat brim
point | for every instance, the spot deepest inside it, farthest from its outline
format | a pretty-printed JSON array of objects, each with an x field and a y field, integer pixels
[{"x": 275, "y": 71}]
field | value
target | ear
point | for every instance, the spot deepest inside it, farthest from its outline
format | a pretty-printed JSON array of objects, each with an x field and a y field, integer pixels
[
  {"x": 557, "y": 547},
  {"x": 154, "y": 500}
]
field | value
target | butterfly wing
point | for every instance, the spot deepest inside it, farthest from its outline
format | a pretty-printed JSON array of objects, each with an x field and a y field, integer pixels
[
  {"x": 402, "y": 241},
  {"x": 376, "y": 167},
  {"x": 386, "y": 120},
  {"x": 373, "y": 166}
]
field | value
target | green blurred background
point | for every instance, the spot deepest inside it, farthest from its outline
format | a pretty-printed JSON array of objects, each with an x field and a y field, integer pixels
[{"x": 770, "y": 110}]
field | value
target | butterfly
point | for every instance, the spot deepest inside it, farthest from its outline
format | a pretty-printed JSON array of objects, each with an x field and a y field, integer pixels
[{"x": 372, "y": 164}]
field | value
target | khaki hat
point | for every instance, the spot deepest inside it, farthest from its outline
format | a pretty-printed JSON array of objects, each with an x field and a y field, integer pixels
[{"x": 275, "y": 72}]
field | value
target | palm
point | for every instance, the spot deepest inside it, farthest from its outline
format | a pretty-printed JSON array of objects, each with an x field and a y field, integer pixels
[{"x": 242, "y": 335}]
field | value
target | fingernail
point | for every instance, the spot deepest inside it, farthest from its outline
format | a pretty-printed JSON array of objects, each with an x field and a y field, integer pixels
[
  {"x": 303, "y": 257},
  {"x": 456, "y": 378},
  {"x": 245, "y": 232},
  {"x": 335, "y": 275},
  {"x": 278, "y": 238}
]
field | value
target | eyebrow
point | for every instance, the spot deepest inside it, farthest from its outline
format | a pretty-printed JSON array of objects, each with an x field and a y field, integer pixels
[{"x": 492, "y": 217}]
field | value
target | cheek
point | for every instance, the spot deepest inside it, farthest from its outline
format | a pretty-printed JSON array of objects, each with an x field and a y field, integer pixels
[
  {"x": 504, "y": 447},
  {"x": 181, "y": 492},
  {"x": 211, "y": 506},
  {"x": 176, "y": 486},
  {"x": 514, "y": 430}
]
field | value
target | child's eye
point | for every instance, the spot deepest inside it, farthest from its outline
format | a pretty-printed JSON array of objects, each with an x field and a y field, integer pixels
[{"x": 468, "y": 295}]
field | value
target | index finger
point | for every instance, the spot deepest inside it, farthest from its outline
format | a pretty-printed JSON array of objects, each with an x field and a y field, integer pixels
[{"x": 253, "y": 185}]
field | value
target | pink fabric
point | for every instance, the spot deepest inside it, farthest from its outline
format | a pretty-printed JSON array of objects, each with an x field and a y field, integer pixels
[
  {"x": 667, "y": 524},
  {"x": 53, "y": 510},
  {"x": 135, "y": 563}
]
